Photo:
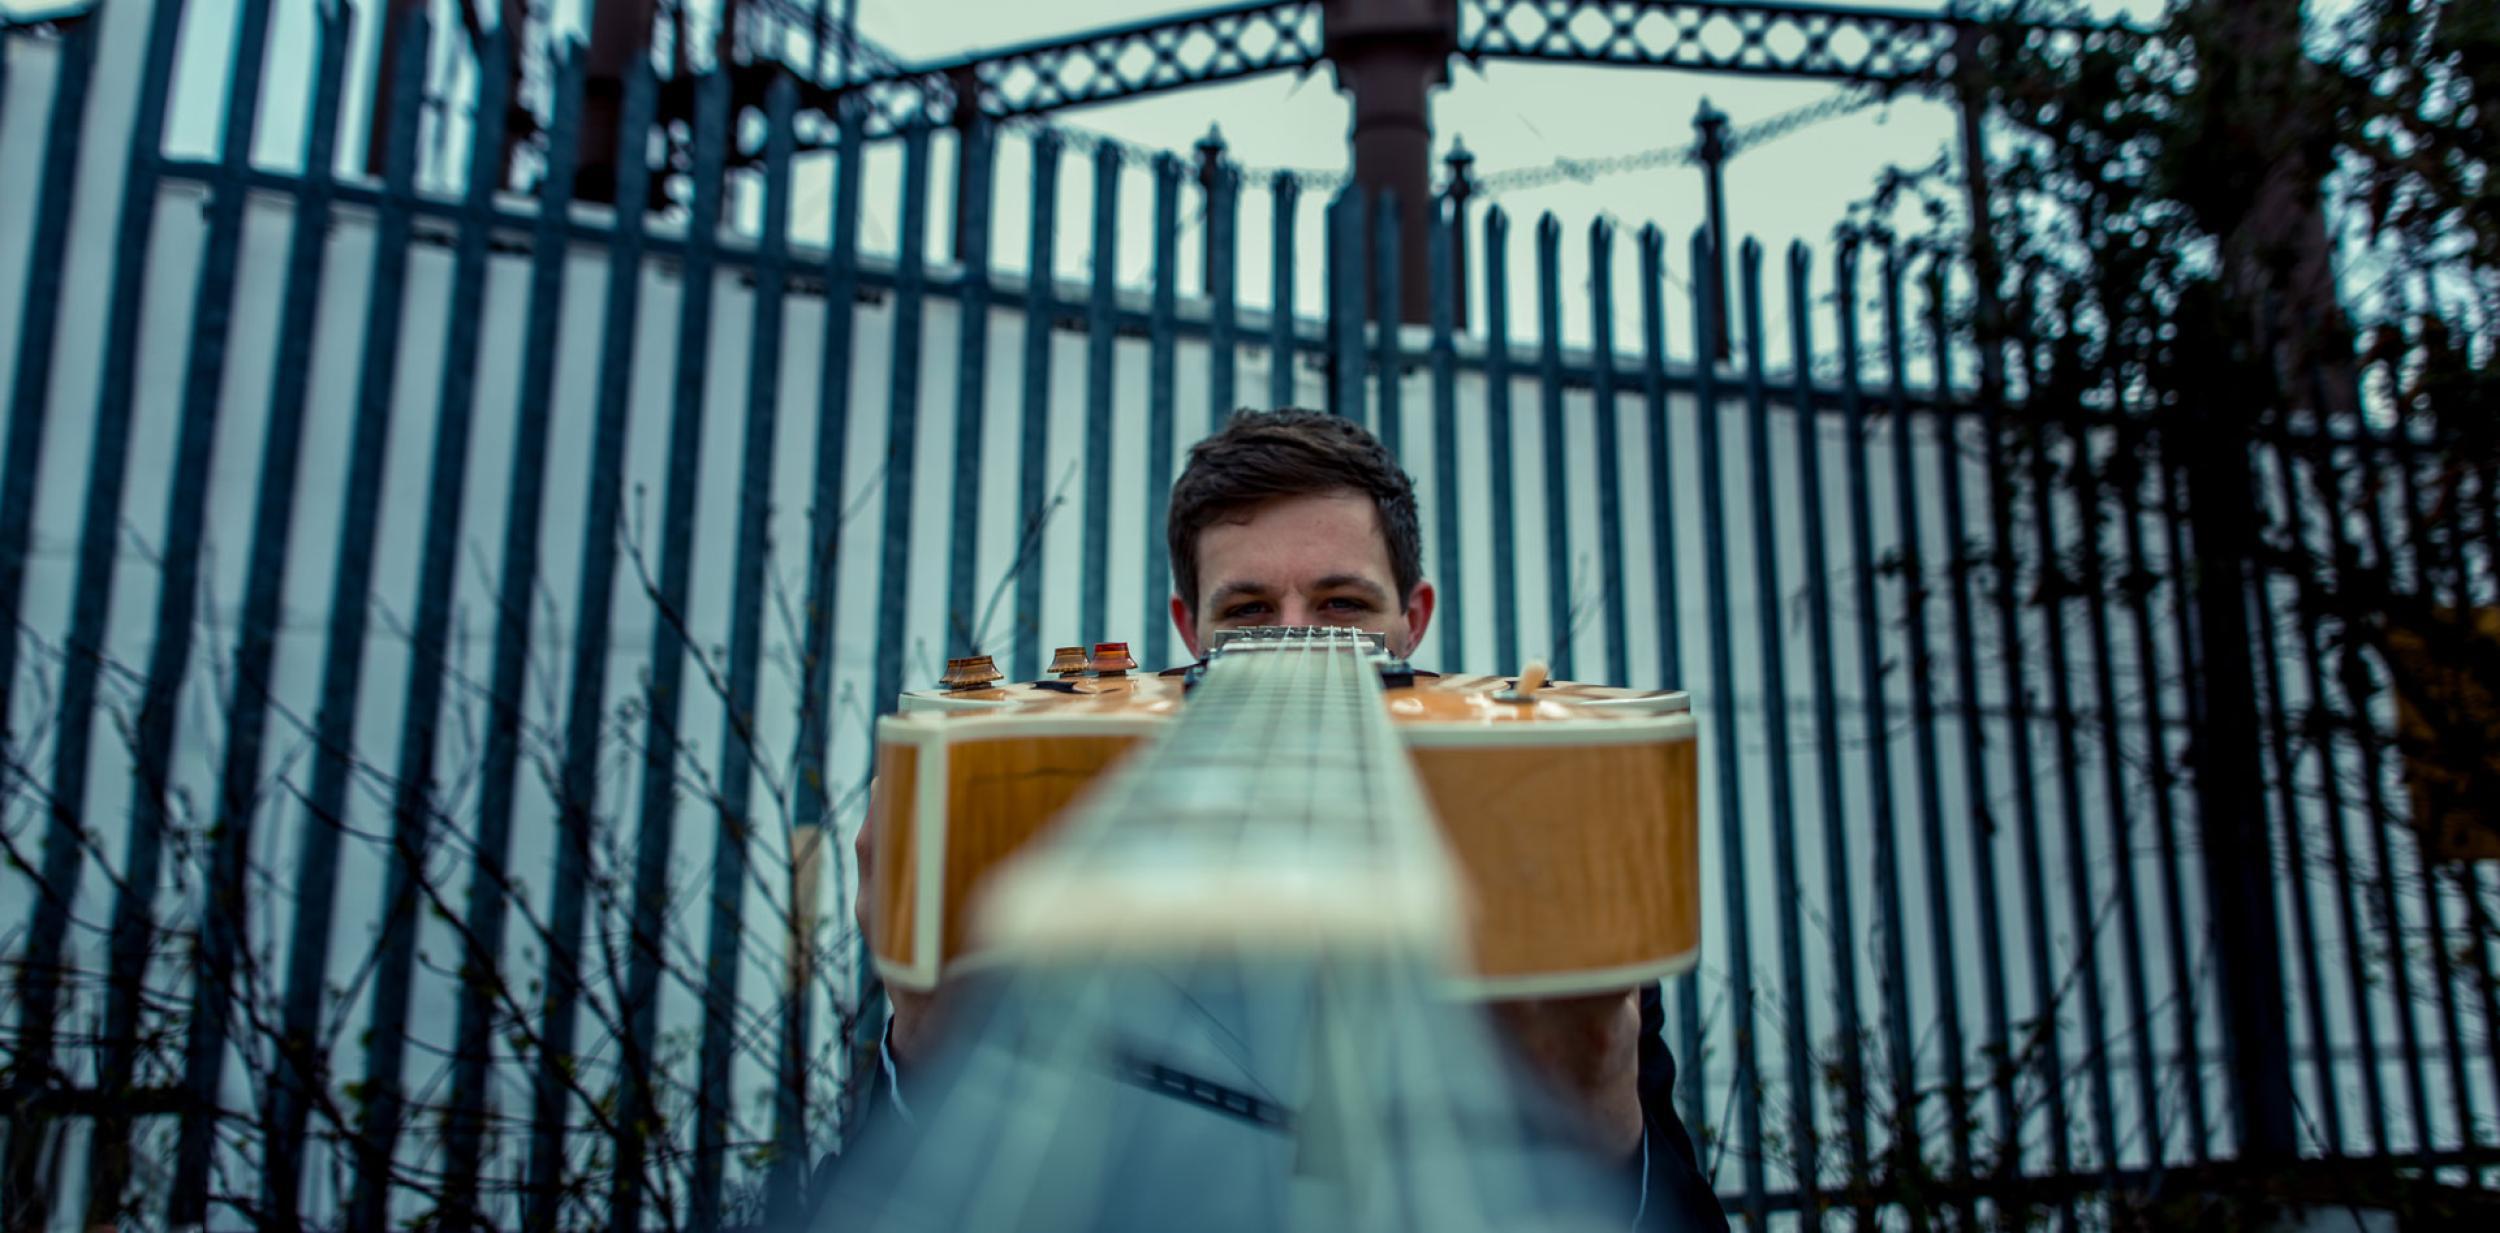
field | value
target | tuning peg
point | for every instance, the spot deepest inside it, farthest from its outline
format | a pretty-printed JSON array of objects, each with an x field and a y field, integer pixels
[
  {"x": 972, "y": 672},
  {"x": 1068, "y": 661},
  {"x": 1112, "y": 659}
]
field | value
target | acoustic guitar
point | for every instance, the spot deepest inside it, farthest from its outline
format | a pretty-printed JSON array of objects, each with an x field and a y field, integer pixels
[
  {"x": 1570, "y": 809},
  {"x": 1214, "y": 992}
]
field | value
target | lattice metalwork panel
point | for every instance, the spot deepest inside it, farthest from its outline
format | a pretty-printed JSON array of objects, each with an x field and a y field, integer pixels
[
  {"x": 1103, "y": 65},
  {"x": 1795, "y": 40}
]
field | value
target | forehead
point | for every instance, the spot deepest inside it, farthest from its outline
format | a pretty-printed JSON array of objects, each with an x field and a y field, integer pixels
[{"x": 1286, "y": 542}]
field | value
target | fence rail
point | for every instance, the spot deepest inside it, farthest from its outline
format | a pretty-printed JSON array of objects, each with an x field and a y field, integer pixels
[{"x": 444, "y": 620}]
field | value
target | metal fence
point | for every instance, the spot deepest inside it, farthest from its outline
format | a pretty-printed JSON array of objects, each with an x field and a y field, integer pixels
[{"x": 444, "y": 619}]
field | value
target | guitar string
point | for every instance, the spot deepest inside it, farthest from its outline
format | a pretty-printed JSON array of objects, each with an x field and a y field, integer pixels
[{"x": 1073, "y": 1196}]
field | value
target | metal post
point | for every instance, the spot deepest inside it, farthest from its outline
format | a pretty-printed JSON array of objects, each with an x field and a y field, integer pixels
[
  {"x": 2230, "y": 796},
  {"x": 620, "y": 30},
  {"x": 1210, "y": 177},
  {"x": 966, "y": 121},
  {"x": 386, "y": 80},
  {"x": 1462, "y": 185},
  {"x": 1710, "y": 144},
  {"x": 1388, "y": 55}
]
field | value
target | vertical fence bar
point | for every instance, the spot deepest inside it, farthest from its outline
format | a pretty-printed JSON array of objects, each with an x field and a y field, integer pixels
[
  {"x": 1499, "y": 438},
  {"x": 664, "y": 696},
  {"x": 1662, "y": 532},
  {"x": 1838, "y": 872},
  {"x": 66, "y": 838},
  {"x": 585, "y": 726},
  {"x": 1960, "y": 562},
  {"x": 2113, "y": 786},
  {"x": 1922, "y": 674},
  {"x": 2449, "y": 356},
  {"x": 1285, "y": 195},
  {"x": 2359, "y": 687},
  {"x": 1732, "y": 816},
  {"x": 177, "y": 595},
  {"x": 2421, "y": 541},
  {"x": 1444, "y": 271},
  {"x": 1609, "y": 451},
  {"x": 902, "y": 425},
  {"x": 826, "y": 512},
  {"x": 222, "y": 903},
  {"x": 2184, "y": 625},
  {"x": 2165, "y": 777},
  {"x": 308, "y": 247},
  {"x": 30, "y": 384},
  {"x": 2005, "y": 436},
  {"x": 1155, "y": 626},
  {"x": 2319, "y": 725},
  {"x": 1034, "y": 504},
  {"x": 2087, "y": 482},
  {"x": 333, "y": 766},
  {"x": 2286, "y": 773},
  {"x": 731, "y": 862},
  {"x": 968, "y": 633},
  {"x": 1783, "y": 813},
  {"x": 1894, "y": 977},
  {"x": 169, "y": 657},
  {"x": 2055, "y": 592},
  {"x": 1223, "y": 292},
  {"x": 448, "y": 466},
  {"x": 2239, "y": 870},
  {"x": 1554, "y": 443},
  {"x": 2183, "y": 613},
  {"x": 1101, "y": 336},
  {"x": 1347, "y": 303},
  {"x": 412, "y": 805},
  {"x": 1388, "y": 356},
  {"x": 1653, "y": 246}
]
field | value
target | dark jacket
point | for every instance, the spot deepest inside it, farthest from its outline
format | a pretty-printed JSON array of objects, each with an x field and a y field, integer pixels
[{"x": 1674, "y": 1196}]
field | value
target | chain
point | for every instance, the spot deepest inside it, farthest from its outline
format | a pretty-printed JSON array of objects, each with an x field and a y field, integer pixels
[{"x": 1584, "y": 170}]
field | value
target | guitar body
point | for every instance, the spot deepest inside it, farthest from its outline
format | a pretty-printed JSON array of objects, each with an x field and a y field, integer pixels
[{"x": 1571, "y": 816}]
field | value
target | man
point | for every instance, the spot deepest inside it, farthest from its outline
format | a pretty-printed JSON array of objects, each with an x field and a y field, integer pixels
[{"x": 1300, "y": 518}]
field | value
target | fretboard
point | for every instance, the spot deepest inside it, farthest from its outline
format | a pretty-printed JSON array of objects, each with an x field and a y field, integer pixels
[{"x": 1279, "y": 809}]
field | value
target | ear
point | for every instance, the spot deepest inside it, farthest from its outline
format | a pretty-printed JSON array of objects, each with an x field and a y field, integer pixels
[
  {"x": 1419, "y": 618},
  {"x": 1184, "y": 621}
]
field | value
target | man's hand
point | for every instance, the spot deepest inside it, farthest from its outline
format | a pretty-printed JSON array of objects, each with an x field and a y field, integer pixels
[
  {"x": 911, "y": 1008},
  {"x": 1588, "y": 1048}
]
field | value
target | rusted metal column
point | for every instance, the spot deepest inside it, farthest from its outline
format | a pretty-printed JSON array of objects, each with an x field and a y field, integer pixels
[
  {"x": 619, "y": 31},
  {"x": 1388, "y": 55},
  {"x": 385, "y": 80}
]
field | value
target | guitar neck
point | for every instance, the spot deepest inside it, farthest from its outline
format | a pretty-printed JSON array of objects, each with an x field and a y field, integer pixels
[{"x": 1279, "y": 809}]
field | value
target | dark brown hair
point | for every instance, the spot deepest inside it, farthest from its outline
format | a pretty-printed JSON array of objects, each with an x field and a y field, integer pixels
[{"x": 1261, "y": 455}]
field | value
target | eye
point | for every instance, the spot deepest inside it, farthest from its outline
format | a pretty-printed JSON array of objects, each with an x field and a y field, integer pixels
[
  {"x": 1250, "y": 611},
  {"x": 1346, "y": 605}
]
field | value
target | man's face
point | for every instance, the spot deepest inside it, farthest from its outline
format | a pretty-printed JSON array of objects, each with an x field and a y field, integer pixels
[{"x": 1318, "y": 559}]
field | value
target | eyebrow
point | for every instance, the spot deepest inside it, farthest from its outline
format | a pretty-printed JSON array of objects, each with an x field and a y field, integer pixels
[
  {"x": 1353, "y": 582},
  {"x": 1237, "y": 589}
]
